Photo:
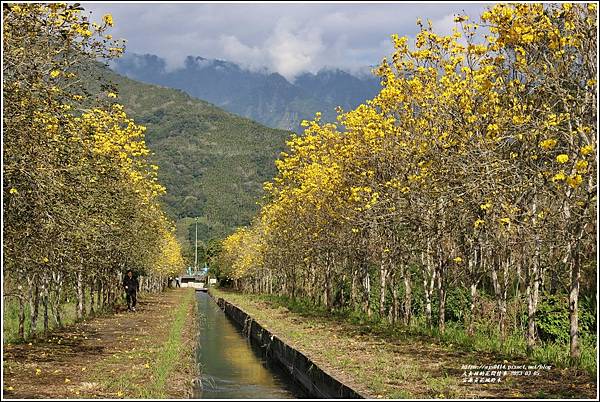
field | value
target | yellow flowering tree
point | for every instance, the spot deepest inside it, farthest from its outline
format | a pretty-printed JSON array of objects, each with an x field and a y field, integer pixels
[
  {"x": 80, "y": 198},
  {"x": 472, "y": 168}
]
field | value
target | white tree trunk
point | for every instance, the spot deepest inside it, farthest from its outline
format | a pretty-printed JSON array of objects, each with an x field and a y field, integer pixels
[{"x": 382, "y": 278}]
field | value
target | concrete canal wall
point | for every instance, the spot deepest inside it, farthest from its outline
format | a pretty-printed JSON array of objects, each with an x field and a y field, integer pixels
[{"x": 316, "y": 382}]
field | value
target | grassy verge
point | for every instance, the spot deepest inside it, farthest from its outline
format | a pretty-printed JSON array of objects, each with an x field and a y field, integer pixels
[
  {"x": 10, "y": 318},
  {"x": 149, "y": 353},
  {"x": 485, "y": 339},
  {"x": 162, "y": 361},
  {"x": 382, "y": 360},
  {"x": 513, "y": 347},
  {"x": 170, "y": 352}
]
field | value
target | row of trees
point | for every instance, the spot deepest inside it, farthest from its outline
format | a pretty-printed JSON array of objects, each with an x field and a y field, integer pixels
[
  {"x": 79, "y": 196},
  {"x": 474, "y": 167}
]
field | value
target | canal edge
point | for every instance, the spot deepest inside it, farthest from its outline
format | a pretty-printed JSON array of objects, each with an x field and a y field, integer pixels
[
  {"x": 195, "y": 384},
  {"x": 315, "y": 381}
]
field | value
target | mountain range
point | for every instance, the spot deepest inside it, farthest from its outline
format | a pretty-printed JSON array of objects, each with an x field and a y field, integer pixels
[
  {"x": 263, "y": 96},
  {"x": 212, "y": 161}
]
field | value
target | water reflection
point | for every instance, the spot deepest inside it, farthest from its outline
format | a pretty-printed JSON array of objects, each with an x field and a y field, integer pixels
[{"x": 231, "y": 368}]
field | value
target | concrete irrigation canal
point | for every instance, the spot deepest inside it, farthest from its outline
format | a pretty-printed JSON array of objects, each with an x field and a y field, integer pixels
[{"x": 240, "y": 359}]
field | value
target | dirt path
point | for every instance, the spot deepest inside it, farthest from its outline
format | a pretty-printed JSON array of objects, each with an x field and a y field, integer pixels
[
  {"x": 105, "y": 357},
  {"x": 405, "y": 366}
]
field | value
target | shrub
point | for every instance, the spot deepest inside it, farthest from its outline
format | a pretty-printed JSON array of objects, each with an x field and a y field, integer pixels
[{"x": 552, "y": 318}]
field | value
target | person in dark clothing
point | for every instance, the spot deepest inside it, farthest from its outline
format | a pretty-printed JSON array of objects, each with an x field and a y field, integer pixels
[
  {"x": 130, "y": 284},
  {"x": 177, "y": 285}
]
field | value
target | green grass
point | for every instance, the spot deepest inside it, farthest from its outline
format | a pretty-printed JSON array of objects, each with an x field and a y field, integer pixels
[
  {"x": 10, "y": 318},
  {"x": 485, "y": 339},
  {"x": 558, "y": 354},
  {"x": 442, "y": 387},
  {"x": 514, "y": 346},
  {"x": 163, "y": 359},
  {"x": 169, "y": 353}
]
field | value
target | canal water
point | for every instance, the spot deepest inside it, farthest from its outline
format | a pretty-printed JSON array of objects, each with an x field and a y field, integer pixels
[{"x": 231, "y": 367}]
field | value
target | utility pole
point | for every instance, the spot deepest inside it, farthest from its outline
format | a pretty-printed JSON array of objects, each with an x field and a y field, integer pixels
[{"x": 196, "y": 253}]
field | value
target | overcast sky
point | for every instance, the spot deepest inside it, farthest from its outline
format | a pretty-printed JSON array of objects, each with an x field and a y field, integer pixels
[{"x": 287, "y": 38}]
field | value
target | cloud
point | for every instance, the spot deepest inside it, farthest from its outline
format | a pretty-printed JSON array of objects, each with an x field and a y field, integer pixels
[
  {"x": 293, "y": 51},
  {"x": 288, "y": 49},
  {"x": 235, "y": 50},
  {"x": 288, "y": 38}
]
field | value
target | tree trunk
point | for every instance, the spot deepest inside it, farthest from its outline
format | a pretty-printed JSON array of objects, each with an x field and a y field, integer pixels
[
  {"x": 328, "y": 287},
  {"x": 471, "y": 329},
  {"x": 533, "y": 286},
  {"x": 475, "y": 266},
  {"x": 496, "y": 285},
  {"x": 80, "y": 299},
  {"x": 428, "y": 282},
  {"x": 109, "y": 293},
  {"x": 367, "y": 293},
  {"x": 45, "y": 294},
  {"x": 45, "y": 305},
  {"x": 575, "y": 274},
  {"x": 21, "y": 318},
  {"x": 104, "y": 290},
  {"x": 505, "y": 266},
  {"x": 353, "y": 286},
  {"x": 99, "y": 295},
  {"x": 56, "y": 311},
  {"x": 395, "y": 302},
  {"x": 407, "y": 296},
  {"x": 55, "y": 304},
  {"x": 382, "y": 277},
  {"x": 342, "y": 295},
  {"x": 442, "y": 299},
  {"x": 500, "y": 292},
  {"x": 518, "y": 285},
  {"x": 92, "y": 298},
  {"x": 34, "y": 303},
  {"x": 573, "y": 252}
]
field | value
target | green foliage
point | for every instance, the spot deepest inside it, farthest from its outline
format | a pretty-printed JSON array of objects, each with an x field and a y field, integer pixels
[
  {"x": 457, "y": 304},
  {"x": 552, "y": 318},
  {"x": 212, "y": 163}
]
